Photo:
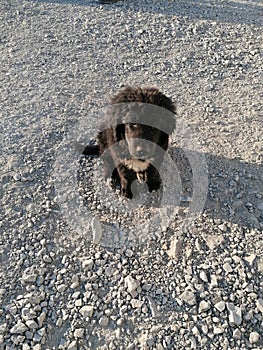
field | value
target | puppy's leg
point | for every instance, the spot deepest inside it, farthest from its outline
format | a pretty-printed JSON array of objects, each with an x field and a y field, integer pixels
[
  {"x": 127, "y": 177},
  {"x": 153, "y": 178},
  {"x": 115, "y": 179},
  {"x": 108, "y": 166}
]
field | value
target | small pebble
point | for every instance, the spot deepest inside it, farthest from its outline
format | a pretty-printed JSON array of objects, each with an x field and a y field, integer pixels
[
  {"x": 188, "y": 297},
  {"x": 103, "y": 321},
  {"x": 235, "y": 315},
  {"x": 204, "y": 306},
  {"x": 17, "y": 177},
  {"x": 260, "y": 305},
  {"x": 253, "y": 337},
  {"x": 236, "y": 334},
  {"x": 86, "y": 311},
  {"x": 19, "y": 328},
  {"x": 220, "y": 306},
  {"x": 227, "y": 267},
  {"x": 79, "y": 332},
  {"x": 203, "y": 276},
  {"x": 32, "y": 324},
  {"x": 87, "y": 264},
  {"x": 131, "y": 285},
  {"x": 218, "y": 330}
]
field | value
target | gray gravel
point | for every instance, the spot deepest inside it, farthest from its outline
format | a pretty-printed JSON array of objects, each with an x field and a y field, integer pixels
[{"x": 197, "y": 287}]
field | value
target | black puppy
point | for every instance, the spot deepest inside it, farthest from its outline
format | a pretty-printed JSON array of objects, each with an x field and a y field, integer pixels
[{"x": 135, "y": 137}]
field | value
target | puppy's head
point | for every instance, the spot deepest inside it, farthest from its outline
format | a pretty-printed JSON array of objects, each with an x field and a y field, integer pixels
[
  {"x": 146, "y": 117},
  {"x": 145, "y": 94}
]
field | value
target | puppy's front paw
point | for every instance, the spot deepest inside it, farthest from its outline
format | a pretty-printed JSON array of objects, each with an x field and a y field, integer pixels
[
  {"x": 154, "y": 186},
  {"x": 126, "y": 192}
]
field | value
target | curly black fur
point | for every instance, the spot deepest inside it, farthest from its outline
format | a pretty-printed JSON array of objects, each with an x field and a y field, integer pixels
[{"x": 132, "y": 119}]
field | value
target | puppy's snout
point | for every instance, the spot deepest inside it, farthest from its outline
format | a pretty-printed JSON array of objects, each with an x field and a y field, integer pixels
[
  {"x": 142, "y": 152},
  {"x": 139, "y": 149}
]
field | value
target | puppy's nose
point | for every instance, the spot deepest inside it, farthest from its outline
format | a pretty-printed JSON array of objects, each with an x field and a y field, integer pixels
[{"x": 141, "y": 152}]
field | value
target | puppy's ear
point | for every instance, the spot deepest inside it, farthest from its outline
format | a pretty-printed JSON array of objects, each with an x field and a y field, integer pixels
[
  {"x": 167, "y": 103},
  {"x": 168, "y": 121},
  {"x": 172, "y": 123}
]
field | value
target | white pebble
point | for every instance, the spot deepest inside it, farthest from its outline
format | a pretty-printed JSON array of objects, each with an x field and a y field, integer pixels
[
  {"x": 32, "y": 324},
  {"x": 17, "y": 177},
  {"x": 236, "y": 334},
  {"x": 222, "y": 227},
  {"x": 103, "y": 321},
  {"x": 204, "y": 306},
  {"x": 218, "y": 330},
  {"x": 253, "y": 337},
  {"x": 220, "y": 306},
  {"x": 235, "y": 315},
  {"x": 41, "y": 318},
  {"x": 36, "y": 347},
  {"x": 136, "y": 303},
  {"x": 87, "y": 264},
  {"x": 79, "y": 332},
  {"x": 203, "y": 276},
  {"x": 260, "y": 305},
  {"x": 188, "y": 297},
  {"x": 19, "y": 328},
  {"x": 29, "y": 278},
  {"x": 86, "y": 311},
  {"x": 3, "y": 328},
  {"x": 61, "y": 288},
  {"x": 131, "y": 284},
  {"x": 227, "y": 267}
]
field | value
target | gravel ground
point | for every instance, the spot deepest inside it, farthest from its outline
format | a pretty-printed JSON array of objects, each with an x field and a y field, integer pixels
[{"x": 62, "y": 285}]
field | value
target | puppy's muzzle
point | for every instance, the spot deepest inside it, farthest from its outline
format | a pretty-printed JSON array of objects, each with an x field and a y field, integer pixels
[
  {"x": 142, "y": 154},
  {"x": 142, "y": 150}
]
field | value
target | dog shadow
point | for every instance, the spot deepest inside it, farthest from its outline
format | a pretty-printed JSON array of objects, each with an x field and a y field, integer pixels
[{"x": 234, "y": 192}]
